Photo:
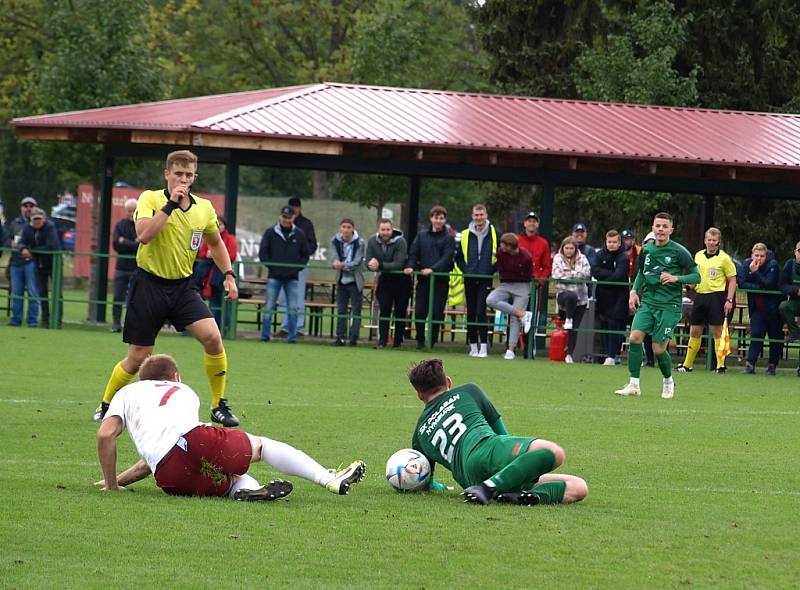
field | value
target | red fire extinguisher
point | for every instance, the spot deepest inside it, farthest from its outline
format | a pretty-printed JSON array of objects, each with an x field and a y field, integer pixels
[{"x": 558, "y": 341}]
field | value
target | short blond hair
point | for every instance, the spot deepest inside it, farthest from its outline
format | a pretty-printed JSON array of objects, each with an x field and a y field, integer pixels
[
  {"x": 760, "y": 246},
  {"x": 182, "y": 157}
]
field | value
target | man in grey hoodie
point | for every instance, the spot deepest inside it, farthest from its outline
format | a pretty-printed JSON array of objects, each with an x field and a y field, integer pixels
[
  {"x": 348, "y": 257},
  {"x": 387, "y": 253}
]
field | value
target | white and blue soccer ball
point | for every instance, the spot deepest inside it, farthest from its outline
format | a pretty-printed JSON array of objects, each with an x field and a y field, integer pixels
[{"x": 408, "y": 470}]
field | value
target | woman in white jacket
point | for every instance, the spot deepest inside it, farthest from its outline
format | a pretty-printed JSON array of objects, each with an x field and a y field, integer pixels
[{"x": 572, "y": 297}]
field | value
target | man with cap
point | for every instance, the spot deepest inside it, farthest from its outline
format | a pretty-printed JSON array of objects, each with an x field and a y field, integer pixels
[
  {"x": 41, "y": 238},
  {"x": 283, "y": 243},
  {"x": 632, "y": 249},
  {"x": 303, "y": 223},
  {"x": 579, "y": 234},
  {"x": 539, "y": 249},
  {"x": 22, "y": 269}
]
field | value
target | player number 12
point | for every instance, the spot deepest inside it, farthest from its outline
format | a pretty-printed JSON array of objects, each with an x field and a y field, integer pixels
[{"x": 455, "y": 427}]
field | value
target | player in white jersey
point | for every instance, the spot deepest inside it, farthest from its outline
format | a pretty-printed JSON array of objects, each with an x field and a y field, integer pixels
[{"x": 189, "y": 458}]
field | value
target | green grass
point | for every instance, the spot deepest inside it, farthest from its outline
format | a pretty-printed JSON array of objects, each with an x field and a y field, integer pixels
[{"x": 702, "y": 491}]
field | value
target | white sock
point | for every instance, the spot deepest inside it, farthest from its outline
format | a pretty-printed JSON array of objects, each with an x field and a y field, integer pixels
[
  {"x": 483, "y": 348},
  {"x": 286, "y": 459},
  {"x": 668, "y": 379},
  {"x": 243, "y": 482},
  {"x": 473, "y": 348},
  {"x": 635, "y": 381}
]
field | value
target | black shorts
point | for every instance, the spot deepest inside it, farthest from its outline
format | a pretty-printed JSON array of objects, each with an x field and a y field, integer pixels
[
  {"x": 708, "y": 308},
  {"x": 152, "y": 301}
]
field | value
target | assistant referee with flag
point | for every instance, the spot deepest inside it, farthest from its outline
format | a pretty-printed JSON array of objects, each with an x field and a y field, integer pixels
[{"x": 170, "y": 224}]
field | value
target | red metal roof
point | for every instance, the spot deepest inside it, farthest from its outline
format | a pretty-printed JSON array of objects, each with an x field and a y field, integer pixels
[{"x": 427, "y": 118}]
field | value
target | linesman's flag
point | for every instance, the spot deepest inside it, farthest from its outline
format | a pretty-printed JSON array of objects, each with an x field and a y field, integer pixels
[{"x": 724, "y": 343}]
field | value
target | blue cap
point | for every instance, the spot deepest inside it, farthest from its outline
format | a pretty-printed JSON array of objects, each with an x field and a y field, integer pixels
[{"x": 579, "y": 227}]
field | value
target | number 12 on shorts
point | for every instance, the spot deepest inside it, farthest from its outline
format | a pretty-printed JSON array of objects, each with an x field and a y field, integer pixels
[{"x": 455, "y": 428}]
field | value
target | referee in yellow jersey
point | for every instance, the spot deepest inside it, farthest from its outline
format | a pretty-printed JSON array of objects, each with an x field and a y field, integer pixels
[
  {"x": 714, "y": 298},
  {"x": 170, "y": 225}
]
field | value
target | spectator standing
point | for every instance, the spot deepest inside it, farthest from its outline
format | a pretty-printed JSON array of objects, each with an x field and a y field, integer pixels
[
  {"x": 539, "y": 249},
  {"x": 41, "y": 237},
  {"x": 760, "y": 273},
  {"x": 209, "y": 276},
  {"x": 431, "y": 251},
  {"x": 790, "y": 285},
  {"x": 125, "y": 243},
  {"x": 632, "y": 250},
  {"x": 281, "y": 245},
  {"x": 714, "y": 299},
  {"x": 22, "y": 269},
  {"x": 387, "y": 252},
  {"x": 307, "y": 227},
  {"x": 611, "y": 265},
  {"x": 348, "y": 259},
  {"x": 477, "y": 255},
  {"x": 515, "y": 266},
  {"x": 572, "y": 297},
  {"x": 580, "y": 234}
]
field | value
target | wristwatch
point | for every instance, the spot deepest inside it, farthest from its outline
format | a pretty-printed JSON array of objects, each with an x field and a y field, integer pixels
[
  {"x": 729, "y": 300},
  {"x": 229, "y": 272}
]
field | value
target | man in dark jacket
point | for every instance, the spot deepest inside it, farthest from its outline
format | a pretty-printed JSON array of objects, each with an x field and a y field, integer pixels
[
  {"x": 790, "y": 285},
  {"x": 387, "y": 253},
  {"x": 760, "y": 273},
  {"x": 611, "y": 265},
  {"x": 41, "y": 237},
  {"x": 432, "y": 251},
  {"x": 304, "y": 224},
  {"x": 125, "y": 243},
  {"x": 22, "y": 269},
  {"x": 283, "y": 243},
  {"x": 476, "y": 254}
]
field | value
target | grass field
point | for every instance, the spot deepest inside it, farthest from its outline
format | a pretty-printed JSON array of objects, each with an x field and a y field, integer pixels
[{"x": 701, "y": 491}]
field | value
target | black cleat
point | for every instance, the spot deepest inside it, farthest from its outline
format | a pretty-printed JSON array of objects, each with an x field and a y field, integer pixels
[
  {"x": 721, "y": 370},
  {"x": 222, "y": 414},
  {"x": 100, "y": 412},
  {"x": 479, "y": 494},
  {"x": 274, "y": 490},
  {"x": 682, "y": 369},
  {"x": 520, "y": 498}
]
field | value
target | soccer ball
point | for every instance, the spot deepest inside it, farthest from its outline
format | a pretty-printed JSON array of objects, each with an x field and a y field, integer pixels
[{"x": 408, "y": 470}]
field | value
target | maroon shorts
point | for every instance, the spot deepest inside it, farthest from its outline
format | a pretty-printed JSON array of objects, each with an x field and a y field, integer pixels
[{"x": 202, "y": 468}]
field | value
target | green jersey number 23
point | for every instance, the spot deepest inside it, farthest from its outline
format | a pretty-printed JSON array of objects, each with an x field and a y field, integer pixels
[{"x": 455, "y": 428}]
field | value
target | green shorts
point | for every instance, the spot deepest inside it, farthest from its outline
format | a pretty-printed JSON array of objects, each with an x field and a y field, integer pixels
[
  {"x": 491, "y": 455},
  {"x": 659, "y": 323}
]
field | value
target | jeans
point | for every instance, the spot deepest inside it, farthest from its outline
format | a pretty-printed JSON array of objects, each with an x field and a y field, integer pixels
[
  {"x": 23, "y": 278},
  {"x": 475, "y": 292},
  {"x": 765, "y": 322},
  {"x": 302, "y": 279},
  {"x": 508, "y": 298},
  {"x": 348, "y": 293},
  {"x": 274, "y": 287}
]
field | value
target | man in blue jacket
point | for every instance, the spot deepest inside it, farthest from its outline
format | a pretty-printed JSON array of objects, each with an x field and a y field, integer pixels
[
  {"x": 286, "y": 244},
  {"x": 431, "y": 252},
  {"x": 476, "y": 254},
  {"x": 22, "y": 269},
  {"x": 41, "y": 237},
  {"x": 760, "y": 273}
]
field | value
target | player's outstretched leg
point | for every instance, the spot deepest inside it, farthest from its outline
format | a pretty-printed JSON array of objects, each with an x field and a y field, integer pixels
[
  {"x": 344, "y": 478},
  {"x": 552, "y": 488},
  {"x": 524, "y": 469}
]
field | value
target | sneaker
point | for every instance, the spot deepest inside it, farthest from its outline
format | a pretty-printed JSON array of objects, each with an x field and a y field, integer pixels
[
  {"x": 479, "y": 494},
  {"x": 630, "y": 390},
  {"x": 749, "y": 369},
  {"x": 222, "y": 414},
  {"x": 344, "y": 478},
  {"x": 379, "y": 346},
  {"x": 721, "y": 370},
  {"x": 519, "y": 498},
  {"x": 116, "y": 329},
  {"x": 568, "y": 359},
  {"x": 568, "y": 324},
  {"x": 526, "y": 321},
  {"x": 275, "y": 489},
  {"x": 353, "y": 343},
  {"x": 683, "y": 369},
  {"x": 100, "y": 412},
  {"x": 509, "y": 355},
  {"x": 338, "y": 342},
  {"x": 482, "y": 353},
  {"x": 609, "y": 362},
  {"x": 771, "y": 370},
  {"x": 473, "y": 351},
  {"x": 668, "y": 390}
]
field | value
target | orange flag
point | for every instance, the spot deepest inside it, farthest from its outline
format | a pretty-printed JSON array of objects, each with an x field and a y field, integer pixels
[{"x": 724, "y": 344}]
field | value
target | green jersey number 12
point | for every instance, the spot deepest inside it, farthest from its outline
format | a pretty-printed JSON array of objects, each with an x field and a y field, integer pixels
[{"x": 455, "y": 428}]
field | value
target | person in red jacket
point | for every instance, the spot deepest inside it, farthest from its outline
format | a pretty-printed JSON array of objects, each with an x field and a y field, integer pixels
[
  {"x": 539, "y": 249},
  {"x": 209, "y": 277}
]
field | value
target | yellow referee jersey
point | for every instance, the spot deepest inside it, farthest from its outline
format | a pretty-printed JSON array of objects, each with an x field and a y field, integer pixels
[
  {"x": 714, "y": 271},
  {"x": 171, "y": 254}
]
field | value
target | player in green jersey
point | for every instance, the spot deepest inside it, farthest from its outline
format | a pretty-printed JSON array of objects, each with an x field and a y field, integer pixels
[
  {"x": 461, "y": 430},
  {"x": 657, "y": 298}
]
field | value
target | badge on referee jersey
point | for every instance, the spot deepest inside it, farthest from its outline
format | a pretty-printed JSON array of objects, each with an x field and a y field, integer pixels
[{"x": 197, "y": 237}]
